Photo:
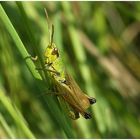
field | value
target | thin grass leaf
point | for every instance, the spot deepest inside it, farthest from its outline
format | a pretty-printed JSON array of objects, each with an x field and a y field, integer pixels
[
  {"x": 18, "y": 42},
  {"x": 15, "y": 114},
  {"x": 6, "y": 127},
  {"x": 51, "y": 101}
]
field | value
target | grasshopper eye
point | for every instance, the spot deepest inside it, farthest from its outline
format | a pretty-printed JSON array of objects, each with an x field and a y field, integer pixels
[{"x": 55, "y": 52}]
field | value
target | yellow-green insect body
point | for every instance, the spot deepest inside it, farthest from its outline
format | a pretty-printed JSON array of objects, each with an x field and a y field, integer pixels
[
  {"x": 54, "y": 62},
  {"x": 65, "y": 85},
  {"x": 74, "y": 96}
]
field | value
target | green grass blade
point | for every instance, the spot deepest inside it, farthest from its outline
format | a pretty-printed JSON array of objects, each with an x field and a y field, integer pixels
[
  {"x": 15, "y": 114},
  {"x": 18, "y": 42},
  {"x": 6, "y": 127},
  {"x": 52, "y": 104}
]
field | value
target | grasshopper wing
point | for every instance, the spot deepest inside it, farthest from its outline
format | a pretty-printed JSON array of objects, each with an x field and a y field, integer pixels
[
  {"x": 78, "y": 93},
  {"x": 72, "y": 113}
]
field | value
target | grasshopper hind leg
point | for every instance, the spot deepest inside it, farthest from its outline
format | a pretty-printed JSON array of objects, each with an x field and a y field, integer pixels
[
  {"x": 92, "y": 100},
  {"x": 87, "y": 115},
  {"x": 74, "y": 115}
]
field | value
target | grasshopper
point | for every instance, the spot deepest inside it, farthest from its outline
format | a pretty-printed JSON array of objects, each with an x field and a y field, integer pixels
[{"x": 65, "y": 85}]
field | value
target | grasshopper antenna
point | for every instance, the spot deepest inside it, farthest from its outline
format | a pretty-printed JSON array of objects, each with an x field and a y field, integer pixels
[
  {"x": 52, "y": 34},
  {"x": 51, "y": 29}
]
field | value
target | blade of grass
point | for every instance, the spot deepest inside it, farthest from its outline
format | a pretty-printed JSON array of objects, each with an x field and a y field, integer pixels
[
  {"x": 51, "y": 101},
  {"x": 33, "y": 39},
  {"x": 30, "y": 32},
  {"x": 15, "y": 114},
  {"x": 6, "y": 127},
  {"x": 18, "y": 42}
]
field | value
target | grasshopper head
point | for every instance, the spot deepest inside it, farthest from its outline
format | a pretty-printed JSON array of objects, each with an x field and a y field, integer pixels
[{"x": 51, "y": 54}]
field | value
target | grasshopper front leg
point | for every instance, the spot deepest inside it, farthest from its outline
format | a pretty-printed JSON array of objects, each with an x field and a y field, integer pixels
[
  {"x": 32, "y": 58},
  {"x": 45, "y": 68},
  {"x": 49, "y": 70}
]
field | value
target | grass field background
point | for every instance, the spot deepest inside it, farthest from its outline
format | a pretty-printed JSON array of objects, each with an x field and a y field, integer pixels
[{"x": 99, "y": 43}]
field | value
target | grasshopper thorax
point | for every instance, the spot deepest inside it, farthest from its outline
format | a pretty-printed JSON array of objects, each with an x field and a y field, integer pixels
[{"x": 51, "y": 53}]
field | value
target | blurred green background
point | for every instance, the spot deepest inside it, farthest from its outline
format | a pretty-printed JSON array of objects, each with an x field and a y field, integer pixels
[{"x": 100, "y": 46}]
